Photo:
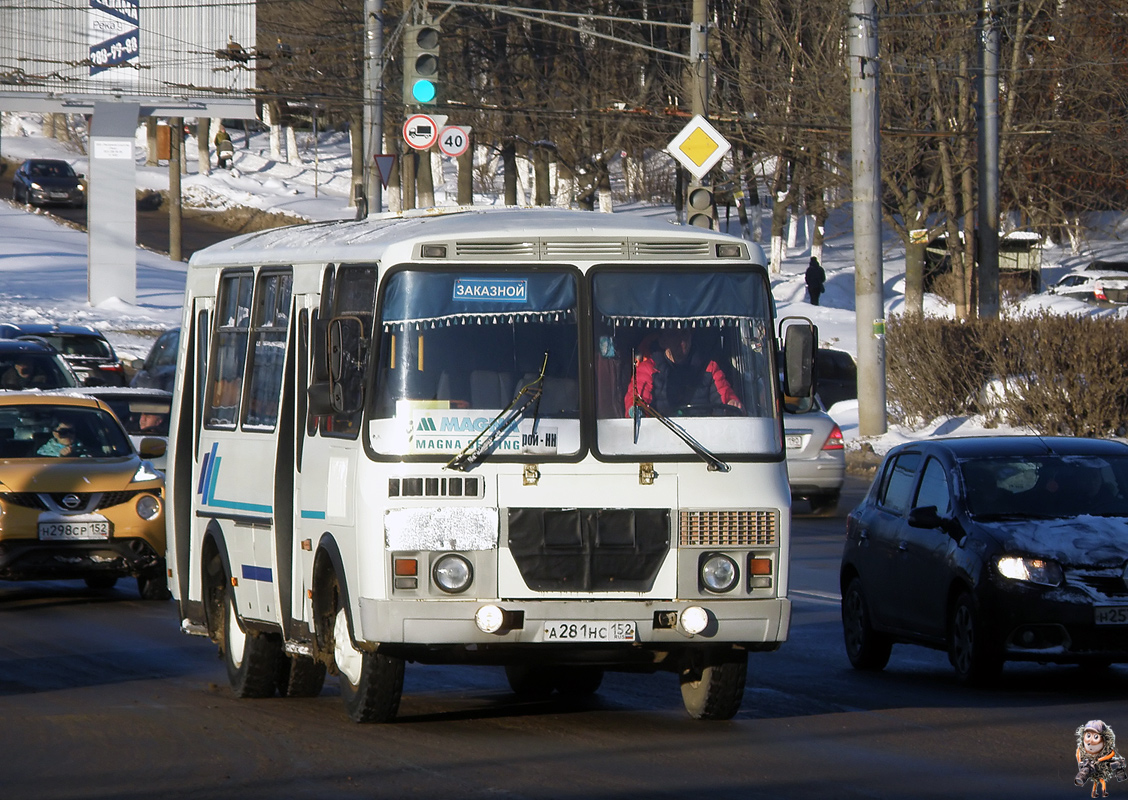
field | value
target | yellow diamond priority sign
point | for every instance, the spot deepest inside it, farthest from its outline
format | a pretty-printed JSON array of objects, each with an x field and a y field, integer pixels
[{"x": 698, "y": 147}]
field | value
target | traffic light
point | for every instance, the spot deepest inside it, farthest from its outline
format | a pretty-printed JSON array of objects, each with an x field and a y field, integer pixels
[
  {"x": 421, "y": 64},
  {"x": 700, "y": 212}
]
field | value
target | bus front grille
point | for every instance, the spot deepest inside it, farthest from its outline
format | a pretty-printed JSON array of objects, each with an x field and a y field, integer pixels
[
  {"x": 589, "y": 549},
  {"x": 729, "y": 528}
]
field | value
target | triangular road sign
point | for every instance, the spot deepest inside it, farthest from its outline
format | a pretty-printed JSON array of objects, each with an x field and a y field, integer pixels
[{"x": 384, "y": 164}]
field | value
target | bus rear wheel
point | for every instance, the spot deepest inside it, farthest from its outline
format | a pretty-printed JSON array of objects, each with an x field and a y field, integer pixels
[
  {"x": 300, "y": 676},
  {"x": 714, "y": 690},
  {"x": 251, "y": 656},
  {"x": 371, "y": 683}
]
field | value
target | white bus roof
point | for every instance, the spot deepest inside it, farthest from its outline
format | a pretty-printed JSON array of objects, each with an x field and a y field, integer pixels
[{"x": 476, "y": 234}]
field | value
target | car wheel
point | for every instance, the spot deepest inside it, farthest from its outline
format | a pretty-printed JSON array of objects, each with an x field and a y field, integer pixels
[
  {"x": 100, "y": 582},
  {"x": 866, "y": 648},
  {"x": 371, "y": 683},
  {"x": 251, "y": 656},
  {"x": 153, "y": 586},
  {"x": 824, "y": 504},
  {"x": 531, "y": 681},
  {"x": 714, "y": 691},
  {"x": 976, "y": 661},
  {"x": 576, "y": 682}
]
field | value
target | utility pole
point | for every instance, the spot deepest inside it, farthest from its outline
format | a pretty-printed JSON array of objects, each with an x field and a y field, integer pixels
[
  {"x": 865, "y": 126},
  {"x": 373, "y": 101},
  {"x": 176, "y": 156},
  {"x": 987, "y": 250}
]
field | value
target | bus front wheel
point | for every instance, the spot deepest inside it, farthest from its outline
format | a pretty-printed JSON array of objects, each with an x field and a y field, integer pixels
[
  {"x": 714, "y": 689},
  {"x": 371, "y": 683}
]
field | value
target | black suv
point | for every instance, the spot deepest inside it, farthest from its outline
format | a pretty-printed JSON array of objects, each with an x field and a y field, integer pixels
[{"x": 83, "y": 348}]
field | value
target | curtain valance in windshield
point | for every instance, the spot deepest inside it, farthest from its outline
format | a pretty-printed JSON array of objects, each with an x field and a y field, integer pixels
[
  {"x": 684, "y": 299},
  {"x": 432, "y": 299}
]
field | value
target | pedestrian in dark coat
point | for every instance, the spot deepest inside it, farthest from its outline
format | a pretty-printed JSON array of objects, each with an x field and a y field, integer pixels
[{"x": 816, "y": 280}]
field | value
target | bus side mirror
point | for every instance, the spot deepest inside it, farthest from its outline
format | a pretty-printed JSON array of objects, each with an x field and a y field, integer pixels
[
  {"x": 799, "y": 358},
  {"x": 346, "y": 364}
]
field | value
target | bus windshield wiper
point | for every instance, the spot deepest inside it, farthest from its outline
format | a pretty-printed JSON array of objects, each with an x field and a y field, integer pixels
[
  {"x": 715, "y": 464},
  {"x": 480, "y": 446}
]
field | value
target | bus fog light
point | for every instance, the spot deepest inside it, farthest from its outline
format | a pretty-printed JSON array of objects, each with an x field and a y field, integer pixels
[
  {"x": 148, "y": 507},
  {"x": 694, "y": 620},
  {"x": 718, "y": 573},
  {"x": 489, "y": 619},
  {"x": 452, "y": 573}
]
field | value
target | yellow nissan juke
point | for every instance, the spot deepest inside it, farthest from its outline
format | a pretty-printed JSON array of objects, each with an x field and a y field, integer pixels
[{"x": 77, "y": 501}]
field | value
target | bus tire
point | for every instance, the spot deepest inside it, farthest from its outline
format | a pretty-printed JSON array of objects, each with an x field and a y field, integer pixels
[
  {"x": 300, "y": 676},
  {"x": 251, "y": 656},
  {"x": 371, "y": 683},
  {"x": 531, "y": 681},
  {"x": 577, "y": 682},
  {"x": 714, "y": 691}
]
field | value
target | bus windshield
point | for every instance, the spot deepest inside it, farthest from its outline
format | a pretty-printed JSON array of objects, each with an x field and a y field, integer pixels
[
  {"x": 456, "y": 349},
  {"x": 689, "y": 347}
]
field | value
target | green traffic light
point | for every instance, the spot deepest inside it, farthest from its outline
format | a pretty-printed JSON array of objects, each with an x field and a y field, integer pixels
[{"x": 423, "y": 91}]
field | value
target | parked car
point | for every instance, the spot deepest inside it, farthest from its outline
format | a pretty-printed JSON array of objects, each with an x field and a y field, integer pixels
[
  {"x": 1101, "y": 283},
  {"x": 837, "y": 376},
  {"x": 33, "y": 365},
  {"x": 158, "y": 370},
  {"x": 144, "y": 413},
  {"x": 78, "y": 501},
  {"x": 84, "y": 348},
  {"x": 816, "y": 456},
  {"x": 42, "y": 181},
  {"x": 993, "y": 548}
]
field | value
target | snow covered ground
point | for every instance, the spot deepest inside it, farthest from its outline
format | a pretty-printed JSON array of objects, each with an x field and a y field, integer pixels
[{"x": 43, "y": 263}]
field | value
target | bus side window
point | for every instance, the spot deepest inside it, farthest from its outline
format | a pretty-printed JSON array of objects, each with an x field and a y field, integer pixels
[{"x": 233, "y": 319}]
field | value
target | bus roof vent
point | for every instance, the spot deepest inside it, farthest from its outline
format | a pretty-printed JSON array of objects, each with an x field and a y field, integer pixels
[
  {"x": 609, "y": 248},
  {"x": 660, "y": 249},
  {"x": 510, "y": 249}
]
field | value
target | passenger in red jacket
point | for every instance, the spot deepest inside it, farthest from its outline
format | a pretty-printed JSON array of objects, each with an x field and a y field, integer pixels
[{"x": 675, "y": 377}]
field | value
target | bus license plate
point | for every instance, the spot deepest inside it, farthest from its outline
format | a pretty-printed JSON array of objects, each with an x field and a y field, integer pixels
[
  {"x": 794, "y": 442},
  {"x": 1111, "y": 615},
  {"x": 589, "y": 631},
  {"x": 73, "y": 531}
]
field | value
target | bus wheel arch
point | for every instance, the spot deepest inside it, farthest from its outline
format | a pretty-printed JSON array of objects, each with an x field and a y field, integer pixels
[{"x": 214, "y": 572}]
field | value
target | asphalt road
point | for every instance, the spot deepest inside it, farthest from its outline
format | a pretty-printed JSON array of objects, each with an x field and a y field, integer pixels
[{"x": 101, "y": 696}]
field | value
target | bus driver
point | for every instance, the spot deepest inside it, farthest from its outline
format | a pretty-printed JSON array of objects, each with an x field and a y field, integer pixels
[{"x": 678, "y": 377}]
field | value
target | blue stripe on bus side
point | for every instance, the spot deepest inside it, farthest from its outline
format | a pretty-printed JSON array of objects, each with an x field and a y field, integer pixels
[
  {"x": 213, "y": 478},
  {"x": 253, "y": 573},
  {"x": 312, "y": 514}
]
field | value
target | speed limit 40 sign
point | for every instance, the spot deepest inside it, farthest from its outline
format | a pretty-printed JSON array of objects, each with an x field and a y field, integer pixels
[{"x": 454, "y": 140}]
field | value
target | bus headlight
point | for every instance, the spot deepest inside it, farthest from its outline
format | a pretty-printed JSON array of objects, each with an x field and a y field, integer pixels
[
  {"x": 148, "y": 506},
  {"x": 718, "y": 573},
  {"x": 452, "y": 573}
]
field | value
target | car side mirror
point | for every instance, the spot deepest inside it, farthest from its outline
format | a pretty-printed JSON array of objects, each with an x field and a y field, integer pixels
[
  {"x": 152, "y": 447},
  {"x": 925, "y": 517}
]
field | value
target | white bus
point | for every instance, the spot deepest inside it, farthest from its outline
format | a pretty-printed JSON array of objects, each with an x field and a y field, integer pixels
[{"x": 465, "y": 437}]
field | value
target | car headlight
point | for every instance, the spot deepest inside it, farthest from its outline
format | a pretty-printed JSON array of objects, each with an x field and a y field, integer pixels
[
  {"x": 148, "y": 506},
  {"x": 452, "y": 573},
  {"x": 718, "y": 573},
  {"x": 145, "y": 472},
  {"x": 36, "y": 186},
  {"x": 1032, "y": 570}
]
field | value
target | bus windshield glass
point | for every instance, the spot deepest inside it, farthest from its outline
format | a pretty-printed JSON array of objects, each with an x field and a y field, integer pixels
[
  {"x": 456, "y": 349},
  {"x": 690, "y": 347}
]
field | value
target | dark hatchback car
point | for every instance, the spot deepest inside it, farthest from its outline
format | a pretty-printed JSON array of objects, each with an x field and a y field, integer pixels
[
  {"x": 42, "y": 181},
  {"x": 992, "y": 548},
  {"x": 84, "y": 348},
  {"x": 32, "y": 365},
  {"x": 158, "y": 370}
]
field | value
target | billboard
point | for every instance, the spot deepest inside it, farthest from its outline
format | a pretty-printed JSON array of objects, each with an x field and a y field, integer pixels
[{"x": 142, "y": 48}]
